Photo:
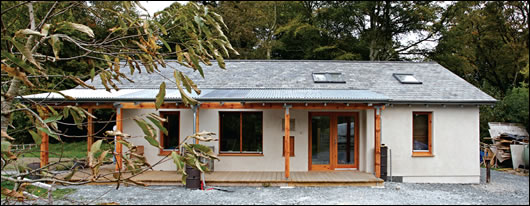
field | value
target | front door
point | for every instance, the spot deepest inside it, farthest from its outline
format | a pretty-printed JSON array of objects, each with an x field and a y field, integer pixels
[{"x": 333, "y": 140}]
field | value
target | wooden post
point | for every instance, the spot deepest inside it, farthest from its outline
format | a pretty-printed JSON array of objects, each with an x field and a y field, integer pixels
[
  {"x": 90, "y": 130},
  {"x": 119, "y": 127},
  {"x": 287, "y": 145},
  {"x": 377, "y": 145},
  {"x": 197, "y": 123},
  {"x": 44, "y": 148}
]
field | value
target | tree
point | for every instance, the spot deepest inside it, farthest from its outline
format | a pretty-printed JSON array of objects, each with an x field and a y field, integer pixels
[
  {"x": 30, "y": 45},
  {"x": 486, "y": 43}
]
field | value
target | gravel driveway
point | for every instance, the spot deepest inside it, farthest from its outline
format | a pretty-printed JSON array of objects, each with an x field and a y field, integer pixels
[{"x": 505, "y": 188}]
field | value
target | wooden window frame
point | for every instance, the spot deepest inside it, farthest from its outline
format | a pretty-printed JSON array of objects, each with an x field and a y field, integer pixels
[
  {"x": 291, "y": 144},
  {"x": 429, "y": 136},
  {"x": 240, "y": 153},
  {"x": 165, "y": 152}
]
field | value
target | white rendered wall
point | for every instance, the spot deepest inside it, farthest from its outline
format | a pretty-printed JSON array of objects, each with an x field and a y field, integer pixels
[
  {"x": 272, "y": 159},
  {"x": 455, "y": 144}
]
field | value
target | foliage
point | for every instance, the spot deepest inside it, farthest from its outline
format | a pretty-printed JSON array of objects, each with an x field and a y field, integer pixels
[
  {"x": 66, "y": 150},
  {"x": 512, "y": 108},
  {"x": 486, "y": 43},
  {"x": 96, "y": 38},
  {"x": 40, "y": 192}
]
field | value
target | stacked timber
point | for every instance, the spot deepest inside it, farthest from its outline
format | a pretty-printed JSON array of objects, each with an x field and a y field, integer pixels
[{"x": 503, "y": 135}]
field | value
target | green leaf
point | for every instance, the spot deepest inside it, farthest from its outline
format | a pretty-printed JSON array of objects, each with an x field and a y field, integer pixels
[
  {"x": 26, "y": 52},
  {"x": 36, "y": 137},
  {"x": 19, "y": 62},
  {"x": 96, "y": 146},
  {"x": 23, "y": 32},
  {"x": 178, "y": 52},
  {"x": 81, "y": 28},
  {"x": 219, "y": 58},
  {"x": 45, "y": 29},
  {"x": 92, "y": 74},
  {"x": 162, "y": 28},
  {"x": 53, "y": 118},
  {"x": 6, "y": 146},
  {"x": 70, "y": 175},
  {"x": 158, "y": 124},
  {"x": 45, "y": 130},
  {"x": 165, "y": 43},
  {"x": 56, "y": 45},
  {"x": 160, "y": 96},
  {"x": 152, "y": 141}
]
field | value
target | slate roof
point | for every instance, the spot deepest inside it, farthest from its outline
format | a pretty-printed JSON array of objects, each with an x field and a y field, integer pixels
[{"x": 271, "y": 80}]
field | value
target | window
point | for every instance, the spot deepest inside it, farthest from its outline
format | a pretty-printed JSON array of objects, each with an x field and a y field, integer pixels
[
  {"x": 406, "y": 78},
  {"x": 241, "y": 132},
  {"x": 291, "y": 146},
  {"x": 291, "y": 124},
  {"x": 328, "y": 77},
  {"x": 422, "y": 133},
  {"x": 170, "y": 141}
]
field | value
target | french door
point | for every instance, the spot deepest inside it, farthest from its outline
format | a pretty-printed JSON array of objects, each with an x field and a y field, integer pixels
[{"x": 333, "y": 140}]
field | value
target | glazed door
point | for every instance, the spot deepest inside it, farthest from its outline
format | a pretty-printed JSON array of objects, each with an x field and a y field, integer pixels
[
  {"x": 346, "y": 141},
  {"x": 333, "y": 140}
]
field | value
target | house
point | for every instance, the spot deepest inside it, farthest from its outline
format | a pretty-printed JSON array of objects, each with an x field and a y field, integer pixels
[{"x": 337, "y": 115}]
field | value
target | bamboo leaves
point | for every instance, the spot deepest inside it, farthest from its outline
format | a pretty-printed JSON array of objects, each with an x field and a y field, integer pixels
[
  {"x": 150, "y": 131},
  {"x": 160, "y": 96}
]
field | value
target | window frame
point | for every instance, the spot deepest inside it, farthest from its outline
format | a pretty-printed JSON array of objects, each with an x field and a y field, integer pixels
[
  {"x": 328, "y": 78},
  {"x": 291, "y": 145},
  {"x": 240, "y": 153},
  {"x": 423, "y": 153},
  {"x": 396, "y": 75},
  {"x": 162, "y": 151}
]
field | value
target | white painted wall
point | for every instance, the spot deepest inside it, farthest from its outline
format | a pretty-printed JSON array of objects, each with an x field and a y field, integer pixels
[{"x": 455, "y": 144}]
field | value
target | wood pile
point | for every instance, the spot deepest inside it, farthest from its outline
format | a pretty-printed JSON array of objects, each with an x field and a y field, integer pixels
[{"x": 503, "y": 135}]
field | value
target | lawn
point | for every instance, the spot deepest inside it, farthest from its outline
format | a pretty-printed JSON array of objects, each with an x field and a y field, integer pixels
[{"x": 68, "y": 150}]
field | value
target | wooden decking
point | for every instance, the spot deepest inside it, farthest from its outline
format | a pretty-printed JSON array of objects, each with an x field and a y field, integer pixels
[{"x": 220, "y": 178}]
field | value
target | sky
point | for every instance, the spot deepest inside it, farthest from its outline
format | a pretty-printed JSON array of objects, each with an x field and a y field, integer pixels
[{"x": 154, "y": 6}]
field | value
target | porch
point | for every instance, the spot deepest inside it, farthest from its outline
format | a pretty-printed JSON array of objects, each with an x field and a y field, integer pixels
[{"x": 224, "y": 178}]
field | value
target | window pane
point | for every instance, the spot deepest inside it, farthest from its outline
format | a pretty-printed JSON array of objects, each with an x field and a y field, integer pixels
[
  {"x": 346, "y": 139},
  {"x": 171, "y": 140},
  {"x": 320, "y": 139},
  {"x": 335, "y": 77},
  {"x": 252, "y": 132},
  {"x": 229, "y": 131},
  {"x": 421, "y": 132},
  {"x": 319, "y": 77}
]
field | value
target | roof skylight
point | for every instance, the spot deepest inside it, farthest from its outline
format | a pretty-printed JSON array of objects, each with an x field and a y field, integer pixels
[
  {"x": 328, "y": 77},
  {"x": 406, "y": 78}
]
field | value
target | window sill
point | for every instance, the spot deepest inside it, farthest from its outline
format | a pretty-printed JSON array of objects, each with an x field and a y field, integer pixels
[
  {"x": 240, "y": 154},
  {"x": 422, "y": 154},
  {"x": 166, "y": 152}
]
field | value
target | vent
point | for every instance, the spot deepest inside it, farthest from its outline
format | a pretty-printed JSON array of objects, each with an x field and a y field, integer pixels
[
  {"x": 328, "y": 77},
  {"x": 406, "y": 78}
]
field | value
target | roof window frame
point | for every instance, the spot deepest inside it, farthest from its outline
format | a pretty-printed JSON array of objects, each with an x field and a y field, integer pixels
[
  {"x": 406, "y": 82},
  {"x": 328, "y": 77}
]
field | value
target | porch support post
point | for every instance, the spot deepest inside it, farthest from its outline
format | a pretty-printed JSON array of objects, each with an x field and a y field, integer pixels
[
  {"x": 377, "y": 145},
  {"x": 195, "y": 109},
  {"x": 119, "y": 127},
  {"x": 44, "y": 147},
  {"x": 287, "y": 147},
  {"x": 90, "y": 130}
]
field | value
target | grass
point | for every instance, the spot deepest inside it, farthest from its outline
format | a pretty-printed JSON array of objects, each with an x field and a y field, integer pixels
[
  {"x": 41, "y": 192},
  {"x": 70, "y": 150}
]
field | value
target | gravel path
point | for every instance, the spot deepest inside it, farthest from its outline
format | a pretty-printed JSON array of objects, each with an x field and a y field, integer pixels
[{"x": 505, "y": 188}]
